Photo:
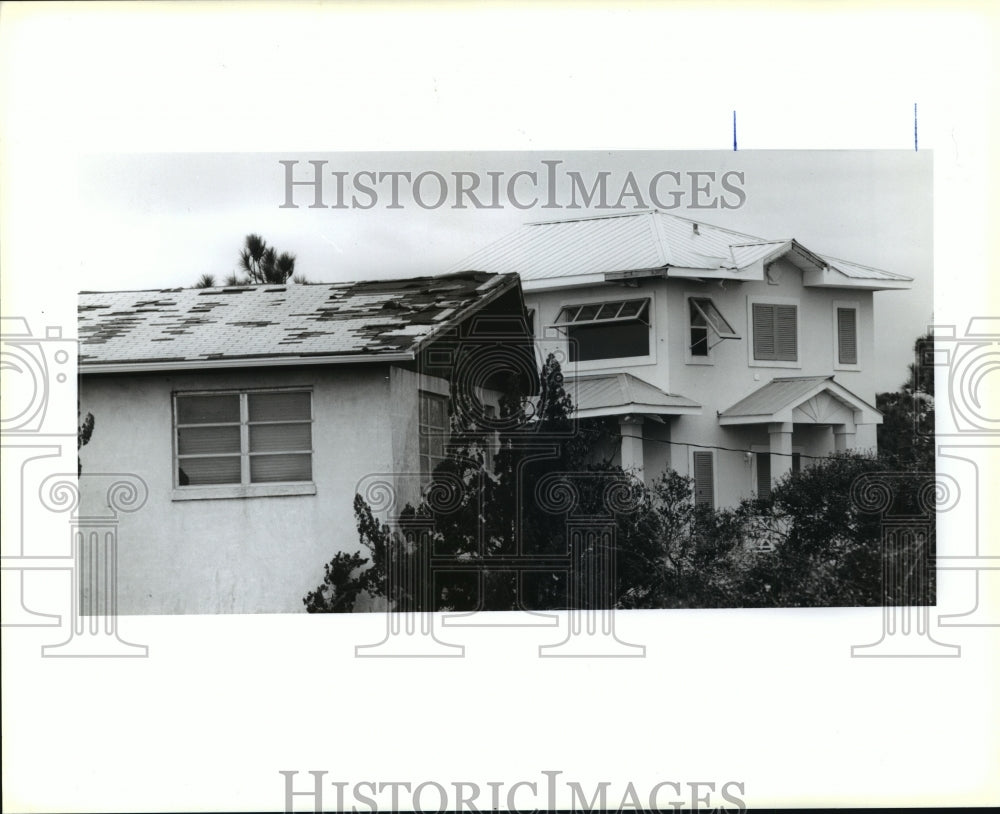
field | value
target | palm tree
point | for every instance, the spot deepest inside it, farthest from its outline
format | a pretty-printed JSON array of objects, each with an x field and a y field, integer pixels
[{"x": 205, "y": 281}]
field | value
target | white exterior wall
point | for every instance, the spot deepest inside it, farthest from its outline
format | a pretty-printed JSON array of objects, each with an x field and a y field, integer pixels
[
  {"x": 730, "y": 373},
  {"x": 239, "y": 555}
]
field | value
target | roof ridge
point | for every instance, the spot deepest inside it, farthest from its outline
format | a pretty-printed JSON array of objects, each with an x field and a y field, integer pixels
[
  {"x": 713, "y": 226},
  {"x": 600, "y": 216},
  {"x": 663, "y": 251},
  {"x": 626, "y": 385}
]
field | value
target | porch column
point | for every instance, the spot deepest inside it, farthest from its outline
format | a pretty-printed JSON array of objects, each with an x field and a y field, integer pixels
[
  {"x": 631, "y": 432},
  {"x": 843, "y": 437},
  {"x": 781, "y": 449}
]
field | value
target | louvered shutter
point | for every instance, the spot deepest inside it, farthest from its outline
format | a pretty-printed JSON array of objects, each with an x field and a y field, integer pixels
[
  {"x": 763, "y": 331},
  {"x": 786, "y": 345},
  {"x": 763, "y": 475},
  {"x": 704, "y": 488},
  {"x": 847, "y": 336}
]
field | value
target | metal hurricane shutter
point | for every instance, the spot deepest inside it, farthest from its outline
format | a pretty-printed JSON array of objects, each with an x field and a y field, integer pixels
[
  {"x": 763, "y": 331},
  {"x": 786, "y": 343},
  {"x": 704, "y": 490},
  {"x": 763, "y": 475},
  {"x": 847, "y": 336}
]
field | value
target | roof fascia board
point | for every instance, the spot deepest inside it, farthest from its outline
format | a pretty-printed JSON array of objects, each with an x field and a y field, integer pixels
[
  {"x": 215, "y": 364},
  {"x": 752, "y": 273},
  {"x": 810, "y": 257},
  {"x": 636, "y": 274},
  {"x": 636, "y": 409},
  {"x": 553, "y": 283},
  {"x": 834, "y": 279}
]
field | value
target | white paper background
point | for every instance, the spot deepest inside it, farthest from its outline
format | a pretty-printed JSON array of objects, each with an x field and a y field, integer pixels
[{"x": 767, "y": 698}]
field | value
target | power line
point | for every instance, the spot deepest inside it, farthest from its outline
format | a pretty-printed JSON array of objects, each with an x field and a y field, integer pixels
[{"x": 731, "y": 449}]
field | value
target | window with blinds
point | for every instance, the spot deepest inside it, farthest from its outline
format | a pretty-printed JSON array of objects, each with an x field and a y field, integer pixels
[
  {"x": 703, "y": 466},
  {"x": 775, "y": 332},
  {"x": 847, "y": 336},
  {"x": 240, "y": 438}
]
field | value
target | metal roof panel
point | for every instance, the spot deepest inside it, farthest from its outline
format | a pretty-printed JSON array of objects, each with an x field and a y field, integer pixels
[
  {"x": 774, "y": 396},
  {"x": 639, "y": 241},
  {"x": 613, "y": 391}
]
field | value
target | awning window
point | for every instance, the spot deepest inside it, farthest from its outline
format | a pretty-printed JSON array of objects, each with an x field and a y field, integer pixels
[
  {"x": 708, "y": 318},
  {"x": 602, "y": 313}
]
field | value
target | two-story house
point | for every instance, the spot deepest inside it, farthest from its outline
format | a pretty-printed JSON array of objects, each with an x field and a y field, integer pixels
[{"x": 724, "y": 356}]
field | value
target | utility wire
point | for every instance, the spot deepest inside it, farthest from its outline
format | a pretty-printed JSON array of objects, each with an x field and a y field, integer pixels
[{"x": 732, "y": 449}]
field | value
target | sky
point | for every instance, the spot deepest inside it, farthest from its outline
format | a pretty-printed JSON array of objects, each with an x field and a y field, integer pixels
[{"x": 176, "y": 216}]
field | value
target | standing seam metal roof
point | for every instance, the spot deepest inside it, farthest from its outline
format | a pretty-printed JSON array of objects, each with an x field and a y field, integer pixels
[
  {"x": 636, "y": 241},
  {"x": 614, "y": 390},
  {"x": 774, "y": 396}
]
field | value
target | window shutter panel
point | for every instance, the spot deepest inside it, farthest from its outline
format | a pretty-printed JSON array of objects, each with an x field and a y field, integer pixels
[
  {"x": 763, "y": 331},
  {"x": 704, "y": 491},
  {"x": 763, "y": 475},
  {"x": 786, "y": 333},
  {"x": 847, "y": 336}
]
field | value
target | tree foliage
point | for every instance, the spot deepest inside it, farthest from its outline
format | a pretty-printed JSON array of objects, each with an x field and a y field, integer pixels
[
  {"x": 906, "y": 435},
  {"x": 84, "y": 429},
  {"x": 810, "y": 544},
  {"x": 260, "y": 264}
]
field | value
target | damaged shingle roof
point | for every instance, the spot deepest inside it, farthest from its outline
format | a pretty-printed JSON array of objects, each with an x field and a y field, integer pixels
[{"x": 207, "y": 327}]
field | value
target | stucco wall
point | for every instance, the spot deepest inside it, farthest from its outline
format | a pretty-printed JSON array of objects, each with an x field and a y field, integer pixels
[
  {"x": 237, "y": 555},
  {"x": 729, "y": 374}
]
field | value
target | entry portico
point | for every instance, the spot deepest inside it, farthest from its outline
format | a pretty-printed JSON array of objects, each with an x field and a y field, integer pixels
[
  {"x": 642, "y": 411},
  {"x": 785, "y": 402}
]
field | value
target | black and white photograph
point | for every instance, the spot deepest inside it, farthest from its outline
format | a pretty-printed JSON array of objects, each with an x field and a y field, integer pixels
[
  {"x": 614, "y": 404},
  {"x": 414, "y": 395}
]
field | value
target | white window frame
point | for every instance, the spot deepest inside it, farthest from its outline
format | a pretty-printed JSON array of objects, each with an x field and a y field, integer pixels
[
  {"x": 856, "y": 307},
  {"x": 422, "y": 427},
  {"x": 766, "y": 299},
  {"x": 245, "y": 488},
  {"x": 715, "y": 475},
  {"x": 618, "y": 362},
  {"x": 709, "y": 359}
]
